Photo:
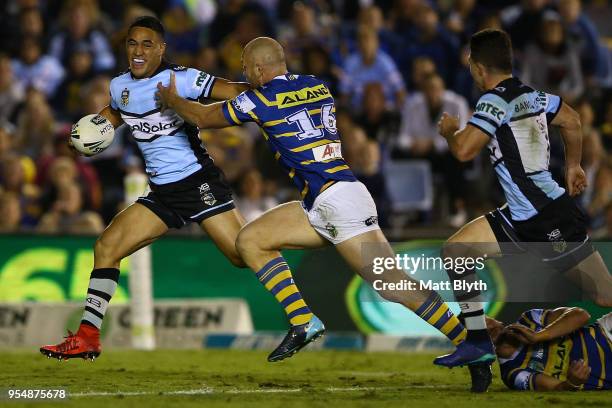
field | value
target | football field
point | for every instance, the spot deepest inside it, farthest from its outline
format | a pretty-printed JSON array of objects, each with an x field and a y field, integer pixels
[{"x": 213, "y": 378}]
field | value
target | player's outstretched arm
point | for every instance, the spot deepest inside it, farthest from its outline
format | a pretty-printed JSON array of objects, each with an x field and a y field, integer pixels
[
  {"x": 563, "y": 321},
  {"x": 224, "y": 89},
  {"x": 203, "y": 116},
  {"x": 571, "y": 131},
  {"x": 113, "y": 116},
  {"x": 464, "y": 144}
]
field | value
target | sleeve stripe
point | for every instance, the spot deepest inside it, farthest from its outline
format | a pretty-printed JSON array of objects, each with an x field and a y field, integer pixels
[
  {"x": 230, "y": 109},
  {"x": 489, "y": 121},
  {"x": 482, "y": 129},
  {"x": 207, "y": 88}
]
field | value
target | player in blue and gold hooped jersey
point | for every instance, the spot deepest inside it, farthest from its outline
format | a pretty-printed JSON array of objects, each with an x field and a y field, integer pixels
[
  {"x": 554, "y": 350},
  {"x": 296, "y": 116}
]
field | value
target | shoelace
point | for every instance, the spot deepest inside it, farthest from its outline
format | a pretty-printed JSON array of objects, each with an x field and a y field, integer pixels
[{"x": 70, "y": 343}]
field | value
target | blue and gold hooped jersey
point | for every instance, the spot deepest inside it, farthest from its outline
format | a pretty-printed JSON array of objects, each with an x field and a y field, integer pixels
[
  {"x": 553, "y": 358},
  {"x": 296, "y": 116},
  {"x": 171, "y": 148}
]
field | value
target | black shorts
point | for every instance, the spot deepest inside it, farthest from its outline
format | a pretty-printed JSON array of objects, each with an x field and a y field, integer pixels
[
  {"x": 198, "y": 196},
  {"x": 557, "y": 234}
]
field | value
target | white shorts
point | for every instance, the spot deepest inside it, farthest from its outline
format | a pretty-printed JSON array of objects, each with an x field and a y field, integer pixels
[
  {"x": 605, "y": 322},
  {"x": 343, "y": 211}
]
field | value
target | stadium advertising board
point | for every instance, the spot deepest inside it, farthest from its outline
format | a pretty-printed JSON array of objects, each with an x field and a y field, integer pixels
[{"x": 56, "y": 269}]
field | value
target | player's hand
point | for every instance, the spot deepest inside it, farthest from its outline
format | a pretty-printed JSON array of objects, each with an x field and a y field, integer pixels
[
  {"x": 575, "y": 180},
  {"x": 448, "y": 125},
  {"x": 165, "y": 94},
  {"x": 578, "y": 373},
  {"x": 524, "y": 334}
]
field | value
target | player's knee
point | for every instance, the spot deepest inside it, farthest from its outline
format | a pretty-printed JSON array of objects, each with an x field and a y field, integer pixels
[
  {"x": 104, "y": 250},
  {"x": 394, "y": 296},
  {"x": 237, "y": 261},
  {"x": 245, "y": 242},
  {"x": 249, "y": 241}
]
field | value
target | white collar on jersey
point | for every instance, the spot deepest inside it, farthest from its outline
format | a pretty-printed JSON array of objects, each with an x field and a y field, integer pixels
[{"x": 284, "y": 76}]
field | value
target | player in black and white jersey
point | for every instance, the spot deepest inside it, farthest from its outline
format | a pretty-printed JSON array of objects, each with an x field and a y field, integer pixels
[
  {"x": 512, "y": 120},
  {"x": 185, "y": 184}
]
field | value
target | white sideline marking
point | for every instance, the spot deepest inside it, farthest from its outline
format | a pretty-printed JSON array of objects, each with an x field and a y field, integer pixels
[{"x": 211, "y": 391}]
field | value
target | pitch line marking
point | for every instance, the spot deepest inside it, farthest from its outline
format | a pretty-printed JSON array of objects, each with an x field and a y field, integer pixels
[{"x": 212, "y": 391}]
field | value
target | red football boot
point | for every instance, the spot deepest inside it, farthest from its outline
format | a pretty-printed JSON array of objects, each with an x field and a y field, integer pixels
[{"x": 84, "y": 344}]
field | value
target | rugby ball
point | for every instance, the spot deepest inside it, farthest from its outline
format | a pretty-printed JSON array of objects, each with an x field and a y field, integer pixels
[{"x": 92, "y": 134}]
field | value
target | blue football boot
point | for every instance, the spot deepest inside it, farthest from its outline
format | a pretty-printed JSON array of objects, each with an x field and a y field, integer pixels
[
  {"x": 298, "y": 337},
  {"x": 468, "y": 353}
]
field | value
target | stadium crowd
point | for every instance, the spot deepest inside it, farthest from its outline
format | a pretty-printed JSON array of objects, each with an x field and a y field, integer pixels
[{"x": 393, "y": 66}]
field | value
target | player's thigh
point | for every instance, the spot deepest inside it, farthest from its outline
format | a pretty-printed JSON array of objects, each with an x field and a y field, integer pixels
[
  {"x": 130, "y": 230},
  {"x": 473, "y": 239},
  {"x": 223, "y": 229},
  {"x": 360, "y": 251},
  {"x": 283, "y": 227},
  {"x": 593, "y": 277}
]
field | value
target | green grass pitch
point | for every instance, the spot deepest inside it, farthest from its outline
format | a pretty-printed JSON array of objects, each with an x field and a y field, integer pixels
[{"x": 230, "y": 378}]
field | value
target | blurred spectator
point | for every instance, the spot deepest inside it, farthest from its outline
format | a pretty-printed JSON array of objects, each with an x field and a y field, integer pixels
[
  {"x": 248, "y": 26},
  {"x": 316, "y": 61},
  {"x": 68, "y": 100},
  {"x": 403, "y": 16},
  {"x": 419, "y": 138},
  {"x": 593, "y": 153},
  {"x": 601, "y": 201},
  {"x": 606, "y": 127},
  {"x": 464, "y": 83},
  {"x": 32, "y": 68},
  {"x": 10, "y": 212},
  {"x": 523, "y": 21},
  {"x": 582, "y": 32},
  {"x": 207, "y": 60},
  {"x": 353, "y": 140},
  {"x": 231, "y": 148},
  {"x": 379, "y": 123},
  {"x": 252, "y": 201},
  {"x": 35, "y": 125},
  {"x": 227, "y": 19},
  {"x": 390, "y": 42},
  {"x": 371, "y": 64},
  {"x": 422, "y": 67},
  {"x": 11, "y": 91},
  {"x": 182, "y": 34},
  {"x": 463, "y": 19},
  {"x": 17, "y": 174},
  {"x": 420, "y": 115},
  {"x": 78, "y": 29},
  {"x": 62, "y": 173},
  {"x": 433, "y": 41},
  {"x": 552, "y": 63},
  {"x": 66, "y": 214},
  {"x": 304, "y": 32},
  {"x": 31, "y": 23},
  {"x": 367, "y": 169}
]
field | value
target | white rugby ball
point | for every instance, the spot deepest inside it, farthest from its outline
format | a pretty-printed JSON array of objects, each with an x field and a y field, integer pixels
[{"x": 92, "y": 134}]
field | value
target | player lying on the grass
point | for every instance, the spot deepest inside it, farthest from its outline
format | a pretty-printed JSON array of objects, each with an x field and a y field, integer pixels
[
  {"x": 512, "y": 120},
  {"x": 554, "y": 350},
  {"x": 186, "y": 186},
  {"x": 296, "y": 116}
]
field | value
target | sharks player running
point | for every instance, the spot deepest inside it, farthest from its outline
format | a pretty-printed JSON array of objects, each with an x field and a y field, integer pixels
[
  {"x": 512, "y": 119},
  {"x": 296, "y": 116},
  {"x": 186, "y": 186}
]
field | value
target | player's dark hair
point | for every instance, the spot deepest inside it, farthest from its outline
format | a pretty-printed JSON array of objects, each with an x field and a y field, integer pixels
[
  {"x": 493, "y": 49},
  {"x": 151, "y": 23}
]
